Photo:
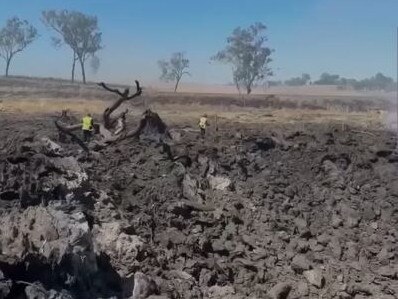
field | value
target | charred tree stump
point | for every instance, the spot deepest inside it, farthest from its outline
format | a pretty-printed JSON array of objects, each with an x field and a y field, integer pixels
[
  {"x": 113, "y": 127},
  {"x": 152, "y": 127}
]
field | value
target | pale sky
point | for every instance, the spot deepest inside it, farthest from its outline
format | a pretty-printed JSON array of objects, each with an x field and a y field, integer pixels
[{"x": 353, "y": 38}]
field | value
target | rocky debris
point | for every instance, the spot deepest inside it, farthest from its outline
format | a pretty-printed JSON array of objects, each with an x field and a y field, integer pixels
[
  {"x": 219, "y": 292},
  {"x": 190, "y": 189},
  {"x": 336, "y": 221},
  {"x": 122, "y": 249},
  {"x": 144, "y": 286},
  {"x": 315, "y": 278},
  {"x": 50, "y": 148},
  {"x": 258, "y": 216},
  {"x": 280, "y": 291},
  {"x": 300, "y": 263},
  {"x": 5, "y": 286},
  {"x": 37, "y": 173},
  {"x": 261, "y": 144},
  {"x": 219, "y": 182},
  {"x": 302, "y": 289},
  {"x": 55, "y": 238},
  {"x": 388, "y": 271},
  {"x": 45, "y": 232},
  {"x": 37, "y": 291}
]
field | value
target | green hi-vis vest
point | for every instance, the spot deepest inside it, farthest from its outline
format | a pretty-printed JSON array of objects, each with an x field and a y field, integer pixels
[
  {"x": 87, "y": 123},
  {"x": 203, "y": 122}
]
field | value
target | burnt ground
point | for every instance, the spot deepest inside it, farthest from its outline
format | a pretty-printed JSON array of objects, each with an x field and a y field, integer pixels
[{"x": 249, "y": 212}]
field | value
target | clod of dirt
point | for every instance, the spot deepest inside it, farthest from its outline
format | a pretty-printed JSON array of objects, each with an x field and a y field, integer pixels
[
  {"x": 144, "y": 286},
  {"x": 315, "y": 277},
  {"x": 219, "y": 182},
  {"x": 280, "y": 291},
  {"x": 300, "y": 263}
]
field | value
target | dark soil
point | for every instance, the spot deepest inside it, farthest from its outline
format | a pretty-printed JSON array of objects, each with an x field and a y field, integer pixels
[{"x": 269, "y": 212}]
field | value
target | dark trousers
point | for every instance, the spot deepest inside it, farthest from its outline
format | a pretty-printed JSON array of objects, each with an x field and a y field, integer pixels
[
  {"x": 202, "y": 132},
  {"x": 86, "y": 135}
]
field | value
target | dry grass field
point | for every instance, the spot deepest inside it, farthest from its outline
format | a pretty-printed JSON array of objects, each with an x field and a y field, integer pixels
[{"x": 50, "y": 96}]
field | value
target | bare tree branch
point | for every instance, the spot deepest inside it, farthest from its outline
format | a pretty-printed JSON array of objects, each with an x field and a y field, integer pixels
[
  {"x": 114, "y": 90},
  {"x": 138, "y": 91},
  {"x": 108, "y": 121}
]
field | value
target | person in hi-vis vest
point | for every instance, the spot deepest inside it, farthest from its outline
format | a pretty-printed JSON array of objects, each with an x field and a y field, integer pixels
[
  {"x": 87, "y": 127},
  {"x": 203, "y": 123}
]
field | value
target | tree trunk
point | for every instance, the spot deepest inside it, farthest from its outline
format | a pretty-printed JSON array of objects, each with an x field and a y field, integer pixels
[
  {"x": 83, "y": 71},
  {"x": 248, "y": 89},
  {"x": 73, "y": 67},
  {"x": 176, "y": 86},
  {"x": 8, "y": 65},
  {"x": 237, "y": 86}
]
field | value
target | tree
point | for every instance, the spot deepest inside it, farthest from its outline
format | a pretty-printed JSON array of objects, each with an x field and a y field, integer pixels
[
  {"x": 306, "y": 78},
  {"x": 377, "y": 82},
  {"x": 345, "y": 83},
  {"x": 174, "y": 69},
  {"x": 382, "y": 82},
  {"x": 14, "y": 38},
  {"x": 299, "y": 81},
  {"x": 248, "y": 55},
  {"x": 274, "y": 83},
  {"x": 78, "y": 31},
  {"x": 328, "y": 79}
]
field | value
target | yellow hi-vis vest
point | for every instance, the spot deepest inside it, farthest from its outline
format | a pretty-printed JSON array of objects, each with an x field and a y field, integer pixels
[
  {"x": 203, "y": 122},
  {"x": 87, "y": 124}
]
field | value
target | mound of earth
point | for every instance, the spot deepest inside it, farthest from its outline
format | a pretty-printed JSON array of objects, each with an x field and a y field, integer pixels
[{"x": 270, "y": 213}]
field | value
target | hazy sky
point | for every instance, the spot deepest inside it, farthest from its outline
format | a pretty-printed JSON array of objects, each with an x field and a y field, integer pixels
[{"x": 354, "y": 38}]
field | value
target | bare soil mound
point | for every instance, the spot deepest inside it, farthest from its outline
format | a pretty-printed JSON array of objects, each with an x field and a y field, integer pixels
[{"x": 268, "y": 213}]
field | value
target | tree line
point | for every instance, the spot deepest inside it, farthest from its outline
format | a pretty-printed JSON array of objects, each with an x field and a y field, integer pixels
[{"x": 376, "y": 82}]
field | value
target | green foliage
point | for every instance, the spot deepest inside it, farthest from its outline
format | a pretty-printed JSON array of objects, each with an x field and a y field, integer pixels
[
  {"x": 248, "y": 55},
  {"x": 377, "y": 82},
  {"x": 174, "y": 69},
  {"x": 275, "y": 83},
  {"x": 77, "y": 30},
  {"x": 299, "y": 81},
  {"x": 14, "y": 38},
  {"x": 328, "y": 79}
]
